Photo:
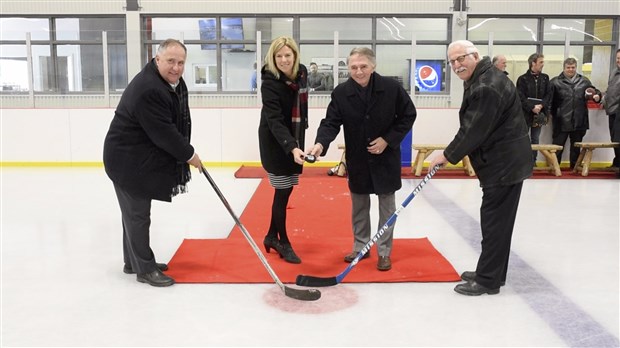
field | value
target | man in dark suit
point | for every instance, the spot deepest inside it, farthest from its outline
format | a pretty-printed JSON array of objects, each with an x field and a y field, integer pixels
[
  {"x": 147, "y": 153},
  {"x": 376, "y": 113},
  {"x": 493, "y": 133}
]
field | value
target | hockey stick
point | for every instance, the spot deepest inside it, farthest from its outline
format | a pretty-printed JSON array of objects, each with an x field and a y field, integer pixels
[
  {"x": 298, "y": 294},
  {"x": 307, "y": 280}
]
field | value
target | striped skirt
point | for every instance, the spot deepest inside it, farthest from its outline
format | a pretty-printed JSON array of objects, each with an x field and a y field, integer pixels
[{"x": 283, "y": 181}]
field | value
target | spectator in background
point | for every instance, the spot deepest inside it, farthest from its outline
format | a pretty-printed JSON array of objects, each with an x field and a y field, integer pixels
[
  {"x": 494, "y": 135},
  {"x": 316, "y": 80},
  {"x": 376, "y": 113},
  {"x": 569, "y": 108},
  {"x": 147, "y": 154},
  {"x": 253, "y": 82},
  {"x": 500, "y": 62},
  {"x": 611, "y": 103},
  {"x": 533, "y": 87},
  {"x": 281, "y": 134}
]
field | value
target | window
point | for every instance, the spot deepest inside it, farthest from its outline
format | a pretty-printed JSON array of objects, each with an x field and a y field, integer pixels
[
  {"x": 67, "y": 54},
  {"x": 590, "y": 41},
  {"x": 226, "y": 45}
]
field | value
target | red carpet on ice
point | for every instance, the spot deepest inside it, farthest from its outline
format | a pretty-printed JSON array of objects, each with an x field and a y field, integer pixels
[{"x": 319, "y": 226}]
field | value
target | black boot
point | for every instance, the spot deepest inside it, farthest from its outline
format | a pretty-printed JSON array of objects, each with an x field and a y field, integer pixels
[
  {"x": 289, "y": 255},
  {"x": 271, "y": 242}
]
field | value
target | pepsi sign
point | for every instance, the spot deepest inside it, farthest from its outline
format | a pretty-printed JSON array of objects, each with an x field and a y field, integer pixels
[{"x": 429, "y": 75}]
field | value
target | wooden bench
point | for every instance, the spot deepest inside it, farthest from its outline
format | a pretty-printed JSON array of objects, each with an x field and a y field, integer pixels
[
  {"x": 585, "y": 156},
  {"x": 424, "y": 150},
  {"x": 549, "y": 150},
  {"x": 341, "y": 168}
]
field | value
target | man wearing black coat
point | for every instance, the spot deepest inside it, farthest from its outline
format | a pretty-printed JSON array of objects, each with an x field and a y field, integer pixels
[
  {"x": 147, "y": 151},
  {"x": 534, "y": 90},
  {"x": 494, "y": 135},
  {"x": 569, "y": 108},
  {"x": 376, "y": 113}
]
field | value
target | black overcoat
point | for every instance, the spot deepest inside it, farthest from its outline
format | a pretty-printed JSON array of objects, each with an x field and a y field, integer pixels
[
  {"x": 492, "y": 131},
  {"x": 143, "y": 145},
  {"x": 569, "y": 106},
  {"x": 389, "y": 114},
  {"x": 275, "y": 129}
]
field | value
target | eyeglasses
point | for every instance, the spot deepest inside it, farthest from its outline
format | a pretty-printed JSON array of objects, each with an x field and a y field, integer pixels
[{"x": 459, "y": 59}]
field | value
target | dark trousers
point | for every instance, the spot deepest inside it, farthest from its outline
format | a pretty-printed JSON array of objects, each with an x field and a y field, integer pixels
[
  {"x": 535, "y": 139},
  {"x": 136, "y": 215},
  {"x": 614, "y": 133},
  {"x": 498, "y": 213},
  {"x": 559, "y": 138}
]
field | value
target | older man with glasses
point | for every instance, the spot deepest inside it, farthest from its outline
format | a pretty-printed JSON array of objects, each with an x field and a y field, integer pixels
[{"x": 494, "y": 135}]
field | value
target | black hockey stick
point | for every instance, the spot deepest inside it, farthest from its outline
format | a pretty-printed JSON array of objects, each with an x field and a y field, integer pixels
[
  {"x": 307, "y": 280},
  {"x": 298, "y": 294}
]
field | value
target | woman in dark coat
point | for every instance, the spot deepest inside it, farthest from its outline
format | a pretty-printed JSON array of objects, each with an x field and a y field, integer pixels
[{"x": 281, "y": 132}]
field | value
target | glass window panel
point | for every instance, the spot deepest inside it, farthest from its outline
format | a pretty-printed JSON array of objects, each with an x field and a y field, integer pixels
[
  {"x": 248, "y": 27},
  {"x": 183, "y": 28},
  {"x": 403, "y": 29},
  {"x": 556, "y": 29},
  {"x": 512, "y": 29},
  {"x": 90, "y": 28},
  {"x": 117, "y": 72},
  {"x": 279, "y": 27},
  {"x": 79, "y": 68},
  {"x": 200, "y": 68},
  {"x": 15, "y": 28},
  {"x": 232, "y": 28},
  {"x": 43, "y": 70},
  {"x": 395, "y": 61},
  {"x": 13, "y": 68},
  {"x": 516, "y": 58},
  {"x": 237, "y": 69},
  {"x": 323, "y": 28}
]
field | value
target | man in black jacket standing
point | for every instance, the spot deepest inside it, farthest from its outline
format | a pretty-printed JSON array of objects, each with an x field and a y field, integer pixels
[
  {"x": 376, "y": 113},
  {"x": 494, "y": 135},
  {"x": 569, "y": 108},
  {"x": 147, "y": 153},
  {"x": 533, "y": 87}
]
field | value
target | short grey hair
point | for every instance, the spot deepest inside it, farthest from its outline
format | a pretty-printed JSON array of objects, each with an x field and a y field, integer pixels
[
  {"x": 366, "y": 52},
  {"x": 169, "y": 43},
  {"x": 466, "y": 44}
]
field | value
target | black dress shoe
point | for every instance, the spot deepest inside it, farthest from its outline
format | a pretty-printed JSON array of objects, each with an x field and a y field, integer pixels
[
  {"x": 474, "y": 289},
  {"x": 470, "y": 276},
  {"x": 384, "y": 263},
  {"x": 155, "y": 278},
  {"x": 127, "y": 268},
  {"x": 349, "y": 258}
]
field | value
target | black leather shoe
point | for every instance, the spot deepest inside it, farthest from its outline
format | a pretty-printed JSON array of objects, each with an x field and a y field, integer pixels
[
  {"x": 289, "y": 254},
  {"x": 127, "y": 268},
  {"x": 384, "y": 263},
  {"x": 474, "y": 289},
  {"x": 349, "y": 258},
  {"x": 470, "y": 276},
  {"x": 155, "y": 278}
]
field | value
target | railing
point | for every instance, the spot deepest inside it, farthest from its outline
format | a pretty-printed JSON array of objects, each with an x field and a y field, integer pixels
[{"x": 82, "y": 101}]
